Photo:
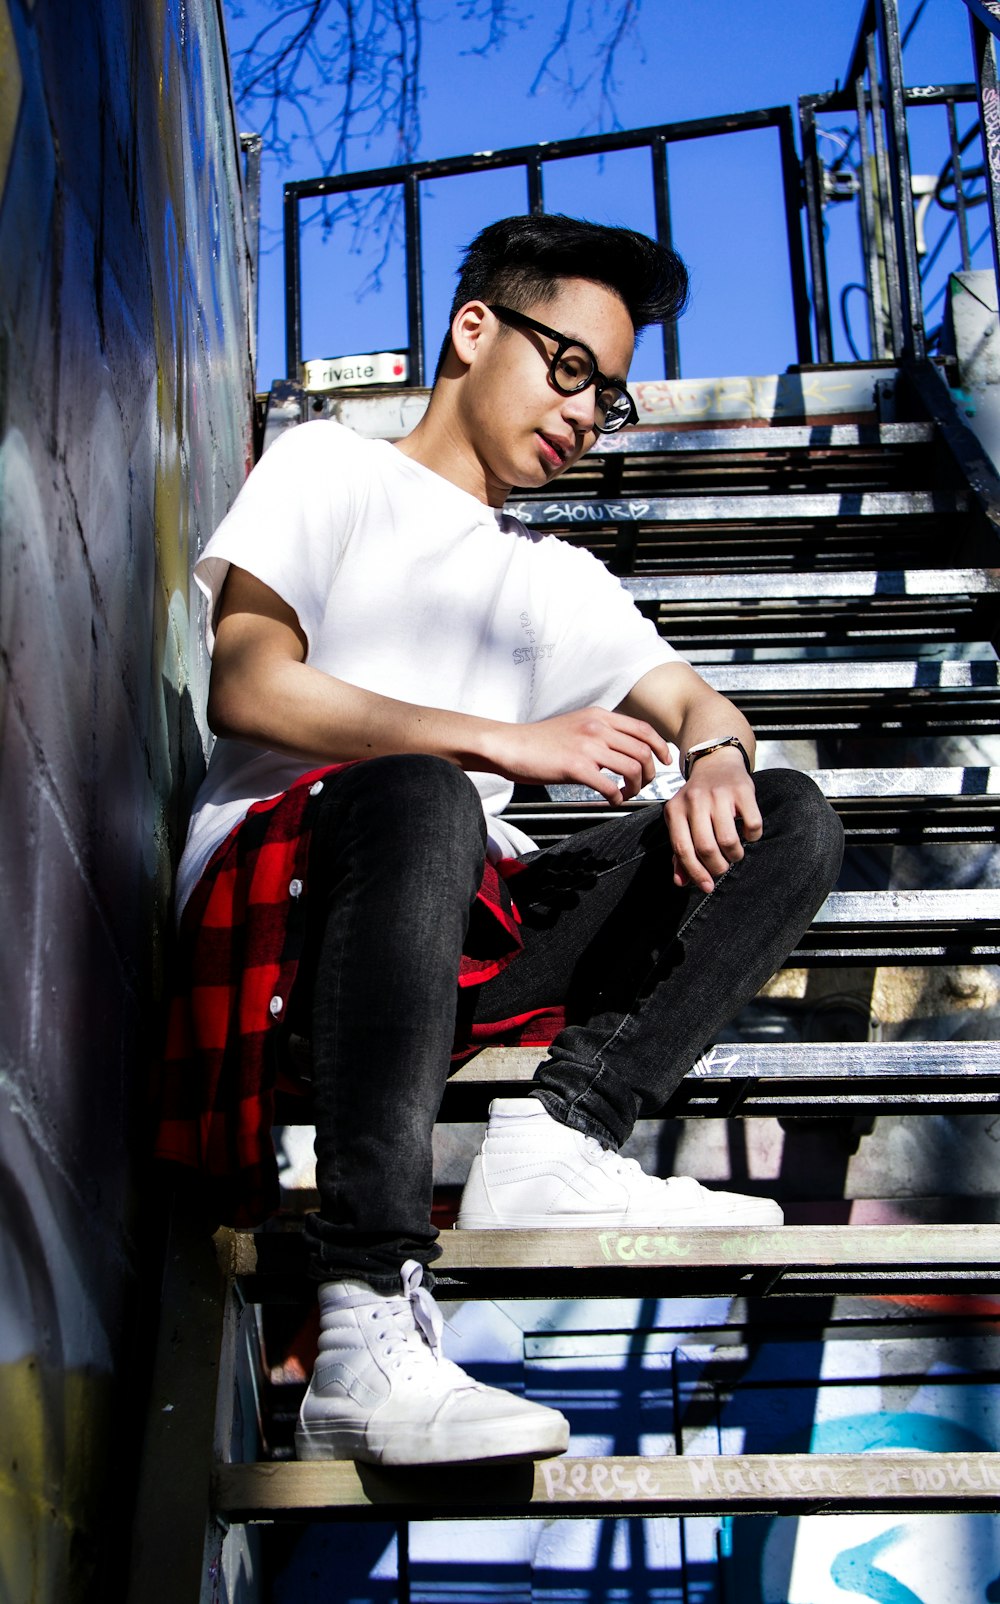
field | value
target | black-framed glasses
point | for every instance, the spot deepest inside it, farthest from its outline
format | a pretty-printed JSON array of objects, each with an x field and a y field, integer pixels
[{"x": 573, "y": 367}]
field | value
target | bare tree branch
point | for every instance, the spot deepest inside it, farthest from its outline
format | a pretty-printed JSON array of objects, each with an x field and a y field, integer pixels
[
  {"x": 334, "y": 77},
  {"x": 558, "y": 66},
  {"x": 339, "y": 74},
  {"x": 500, "y": 16}
]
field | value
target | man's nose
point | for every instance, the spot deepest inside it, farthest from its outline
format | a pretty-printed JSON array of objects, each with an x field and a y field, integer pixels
[{"x": 578, "y": 408}]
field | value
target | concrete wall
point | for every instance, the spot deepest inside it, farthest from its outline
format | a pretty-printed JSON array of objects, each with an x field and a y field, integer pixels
[{"x": 125, "y": 431}]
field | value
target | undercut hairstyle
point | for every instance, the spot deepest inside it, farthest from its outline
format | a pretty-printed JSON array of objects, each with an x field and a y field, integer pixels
[{"x": 519, "y": 261}]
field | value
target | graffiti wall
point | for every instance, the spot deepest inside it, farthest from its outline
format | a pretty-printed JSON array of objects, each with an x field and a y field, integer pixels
[{"x": 125, "y": 431}]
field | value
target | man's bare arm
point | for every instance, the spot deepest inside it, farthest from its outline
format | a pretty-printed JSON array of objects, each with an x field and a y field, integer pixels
[
  {"x": 264, "y": 690},
  {"x": 716, "y": 811}
]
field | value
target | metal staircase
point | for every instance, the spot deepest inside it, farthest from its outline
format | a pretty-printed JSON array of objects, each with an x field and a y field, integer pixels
[{"x": 802, "y": 507}]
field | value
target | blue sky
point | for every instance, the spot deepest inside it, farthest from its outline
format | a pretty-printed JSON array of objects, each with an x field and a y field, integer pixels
[{"x": 689, "y": 60}]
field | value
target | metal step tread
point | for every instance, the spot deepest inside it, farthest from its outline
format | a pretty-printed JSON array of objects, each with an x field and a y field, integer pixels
[
  {"x": 955, "y": 925},
  {"x": 906, "y": 907},
  {"x": 854, "y": 674},
  {"x": 876, "y": 806},
  {"x": 781, "y": 1078},
  {"x": 802, "y": 699},
  {"x": 776, "y": 437},
  {"x": 889, "y": 785},
  {"x": 906, "y": 1249},
  {"x": 672, "y": 1262},
  {"x": 755, "y": 507},
  {"x": 616, "y": 1484},
  {"x": 761, "y": 1079},
  {"x": 812, "y": 586}
]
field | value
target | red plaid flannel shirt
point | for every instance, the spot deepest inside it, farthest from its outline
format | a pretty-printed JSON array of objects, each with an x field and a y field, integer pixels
[{"x": 239, "y": 944}]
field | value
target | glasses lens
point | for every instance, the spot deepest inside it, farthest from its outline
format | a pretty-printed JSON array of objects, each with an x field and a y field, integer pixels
[
  {"x": 572, "y": 369},
  {"x": 613, "y": 409}
]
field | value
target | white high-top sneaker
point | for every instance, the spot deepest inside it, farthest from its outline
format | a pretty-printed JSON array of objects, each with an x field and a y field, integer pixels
[
  {"x": 382, "y": 1391},
  {"x": 532, "y": 1172}
]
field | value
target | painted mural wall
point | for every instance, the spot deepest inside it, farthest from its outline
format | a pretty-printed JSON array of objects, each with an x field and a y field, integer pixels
[{"x": 125, "y": 432}]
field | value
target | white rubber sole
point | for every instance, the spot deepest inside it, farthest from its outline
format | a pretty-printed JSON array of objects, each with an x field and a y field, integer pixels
[
  {"x": 769, "y": 1214},
  {"x": 537, "y": 1438}
]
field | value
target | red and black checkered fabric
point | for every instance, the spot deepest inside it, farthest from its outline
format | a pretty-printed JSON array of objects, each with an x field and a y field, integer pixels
[{"x": 239, "y": 945}]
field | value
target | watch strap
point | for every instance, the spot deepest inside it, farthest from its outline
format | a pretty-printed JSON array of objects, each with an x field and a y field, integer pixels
[{"x": 703, "y": 748}]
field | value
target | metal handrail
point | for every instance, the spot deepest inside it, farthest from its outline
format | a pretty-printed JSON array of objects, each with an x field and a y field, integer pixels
[{"x": 656, "y": 139}]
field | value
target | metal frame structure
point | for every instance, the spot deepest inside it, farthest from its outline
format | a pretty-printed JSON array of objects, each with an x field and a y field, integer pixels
[
  {"x": 532, "y": 159},
  {"x": 872, "y": 90}
]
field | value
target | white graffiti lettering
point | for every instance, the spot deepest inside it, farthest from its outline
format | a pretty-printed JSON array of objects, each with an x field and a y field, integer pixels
[{"x": 991, "y": 128}]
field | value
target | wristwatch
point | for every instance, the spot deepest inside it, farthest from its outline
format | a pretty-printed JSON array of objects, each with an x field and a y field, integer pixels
[{"x": 702, "y": 749}]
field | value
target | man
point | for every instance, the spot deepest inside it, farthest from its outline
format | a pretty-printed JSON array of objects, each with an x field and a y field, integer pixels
[{"x": 371, "y": 606}]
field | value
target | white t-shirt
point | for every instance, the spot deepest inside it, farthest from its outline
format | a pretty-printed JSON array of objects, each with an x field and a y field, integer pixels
[{"x": 406, "y": 585}]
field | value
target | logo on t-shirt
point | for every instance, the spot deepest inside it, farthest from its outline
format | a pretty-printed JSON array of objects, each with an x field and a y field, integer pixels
[{"x": 533, "y": 652}]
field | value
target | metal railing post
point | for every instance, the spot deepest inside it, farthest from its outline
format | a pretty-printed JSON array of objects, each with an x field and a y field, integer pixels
[
  {"x": 293, "y": 285},
  {"x": 956, "y": 168},
  {"x": 914, "y": 341},
  {"x": 876, "y": 306},
  {"x": 791, "y": 179},
  {"x": 536, "y": 200},
  {"x": 414, "y": 279},
  {"x": 885, "y": 212},
  {"x": 813, "y": 177},
  {"x": 664, "y": 234}
]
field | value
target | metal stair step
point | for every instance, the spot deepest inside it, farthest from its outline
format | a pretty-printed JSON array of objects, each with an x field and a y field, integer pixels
[
  {"x": 909, "y": 806},
  {"x": 950, "y": 926},
  {"x": 878, "y": 805},
  {"x": 906, "y": 696},
  {"x": 759, "y": 1079},
  {"x": 770, "y": 437},
  {"x": 780, "y": 1078},
  {"x": 754, "y": 509},
  {"x": 864, "y": 585},
  {"x": 846, "y": 674},
  {"x": 677, "y": 1262},
  {"x": 780, "y": 1484},
  {"x": 845, "y": 458},
  {"x": 722, "y": 610}
]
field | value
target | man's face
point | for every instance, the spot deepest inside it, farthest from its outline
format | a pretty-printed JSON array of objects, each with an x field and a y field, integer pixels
[{"x": 524, "y": 431}]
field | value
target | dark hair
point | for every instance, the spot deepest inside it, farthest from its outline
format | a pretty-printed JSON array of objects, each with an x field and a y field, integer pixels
[{"x": 520, "y": 260}]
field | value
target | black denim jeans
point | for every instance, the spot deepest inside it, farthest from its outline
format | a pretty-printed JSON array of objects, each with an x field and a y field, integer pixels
[{"x": 648, "y": 973}]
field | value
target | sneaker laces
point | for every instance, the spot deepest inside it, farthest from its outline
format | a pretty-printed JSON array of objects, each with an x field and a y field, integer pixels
[
  {"x": 630, "y": 1171},
  {"x": 426, "y": 1314},
  {"x": 415, "y": 1326}
]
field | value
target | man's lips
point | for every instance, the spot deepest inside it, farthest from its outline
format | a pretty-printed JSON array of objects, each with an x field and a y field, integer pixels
[{"x": 556, "y": 450}]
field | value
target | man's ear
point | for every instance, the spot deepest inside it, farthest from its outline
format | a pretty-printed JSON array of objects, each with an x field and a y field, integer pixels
[{"x": 468, "y": 328}]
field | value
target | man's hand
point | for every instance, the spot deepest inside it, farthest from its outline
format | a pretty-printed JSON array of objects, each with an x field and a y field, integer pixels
[
  {"x": 710, "y": 818},
  {"x": 579, "y": 749}
]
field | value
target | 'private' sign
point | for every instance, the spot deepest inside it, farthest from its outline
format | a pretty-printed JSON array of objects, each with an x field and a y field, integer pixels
[{"x": 342, "y": 372}]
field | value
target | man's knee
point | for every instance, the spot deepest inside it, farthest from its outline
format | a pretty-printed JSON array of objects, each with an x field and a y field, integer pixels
[
  {"x": 432, "y": 800},
  {"x": 792, "y": 802}
]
